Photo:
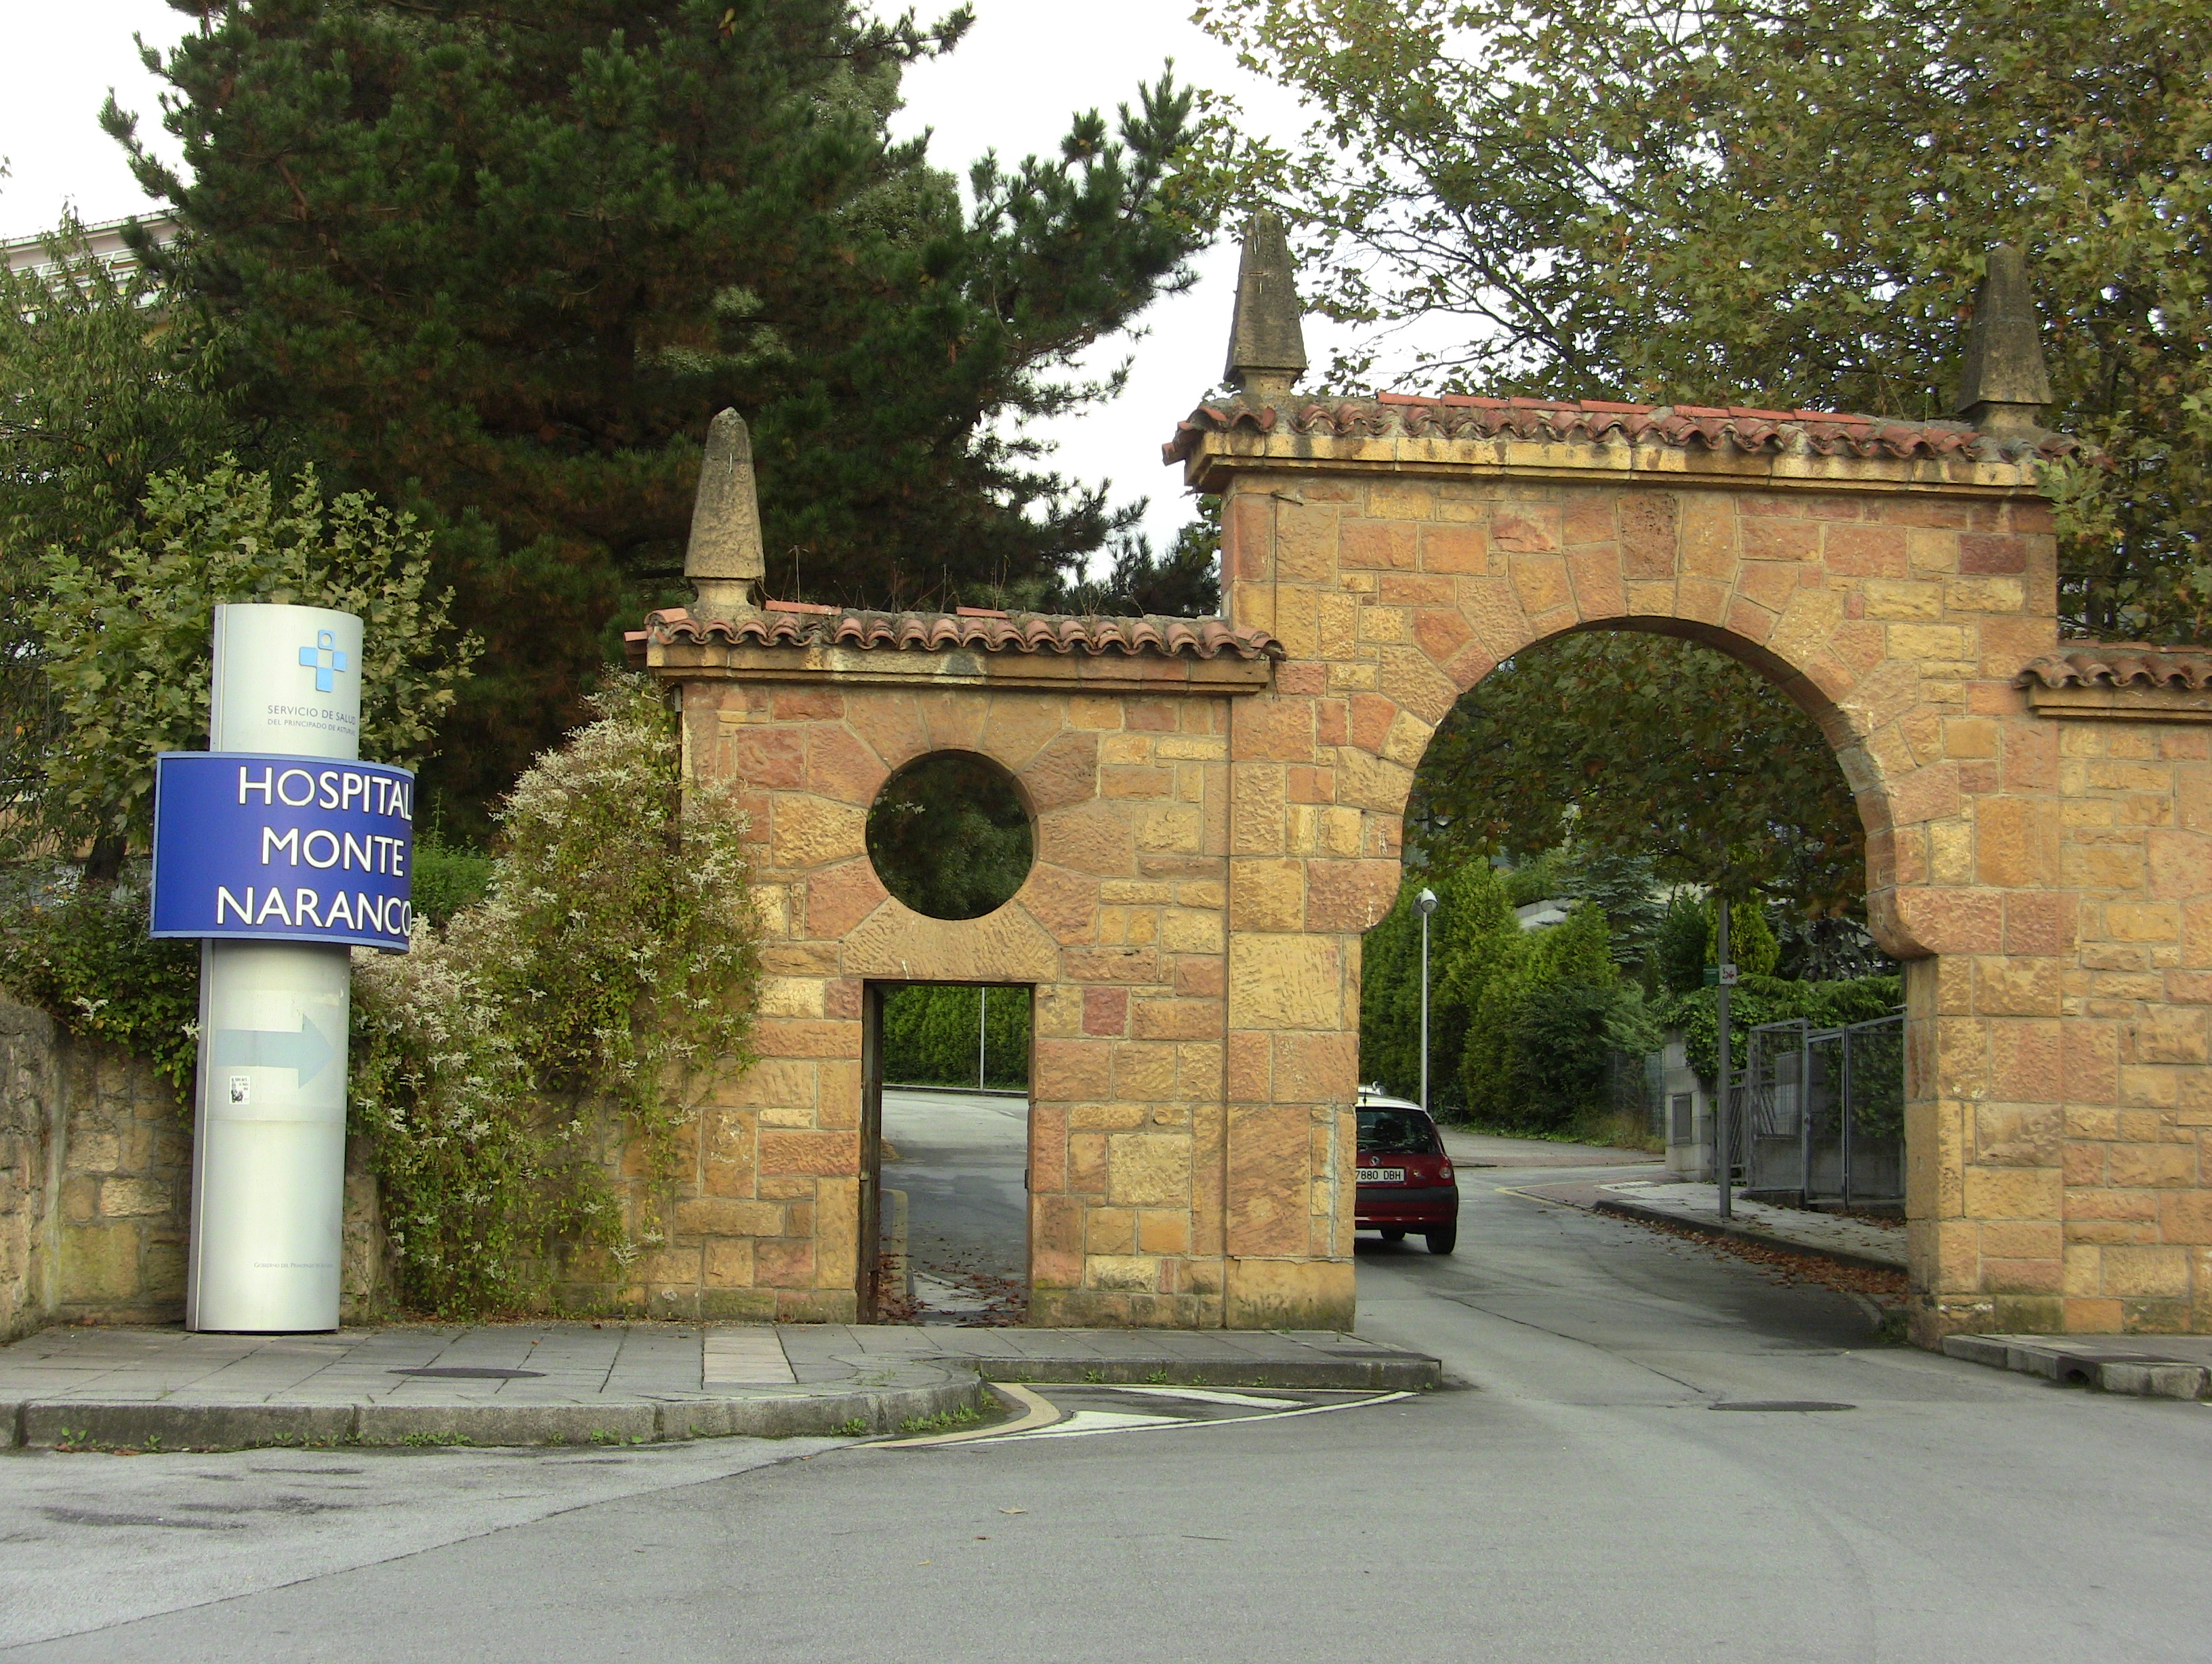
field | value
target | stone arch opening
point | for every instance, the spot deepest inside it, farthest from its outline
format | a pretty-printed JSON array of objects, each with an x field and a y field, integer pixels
[{"x": 1644, "y": 858}]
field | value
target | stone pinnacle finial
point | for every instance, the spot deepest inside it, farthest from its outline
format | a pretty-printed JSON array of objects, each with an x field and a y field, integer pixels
[
  {"x": 1267, "y": 345},
  {"x": 724, "y": 561},
  {"x": 2005, "y": 387}
]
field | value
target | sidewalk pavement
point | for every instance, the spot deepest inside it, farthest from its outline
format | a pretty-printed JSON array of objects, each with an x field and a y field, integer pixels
[
  {"x": 611, "y": 1383},
  {"x": 1831, "y": 1236},
  {"x": 2146, "y": 1365}
]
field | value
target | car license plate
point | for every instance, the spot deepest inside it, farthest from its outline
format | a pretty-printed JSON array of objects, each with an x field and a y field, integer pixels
[{"x": 1382, "y": 1176}]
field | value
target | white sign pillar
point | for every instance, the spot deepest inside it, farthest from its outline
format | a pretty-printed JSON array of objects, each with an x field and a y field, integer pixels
[{"x": 269, "y": 1143}]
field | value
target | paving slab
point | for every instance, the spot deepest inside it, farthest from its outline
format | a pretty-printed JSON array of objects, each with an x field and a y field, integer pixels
[
  {"x": 2146, "y": 1366},
  {"x": 577, "y": 1383}
]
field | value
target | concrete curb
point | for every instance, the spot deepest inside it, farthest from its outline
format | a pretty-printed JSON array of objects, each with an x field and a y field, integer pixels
[
  {"x": 1745, "y": 1234},
  {"x": 2135, "y": 1374},
  {"x": 179, "y": 1425}
]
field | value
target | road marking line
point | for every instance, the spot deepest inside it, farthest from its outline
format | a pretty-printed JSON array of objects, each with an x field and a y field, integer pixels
[
  {"x": 1227, "y": 1421},
  {"x": 1037, "y": 1414},
  {"x": 1211, "y": 1395}
]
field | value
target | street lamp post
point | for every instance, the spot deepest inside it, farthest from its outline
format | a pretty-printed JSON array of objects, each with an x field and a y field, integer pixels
[
  {"x": 1723, "y": 1110},
  {"x": 1425, "y": 904}
]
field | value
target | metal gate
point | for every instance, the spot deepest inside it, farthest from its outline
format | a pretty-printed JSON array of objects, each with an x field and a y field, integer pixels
[{"x": 1823, "y": 1117}]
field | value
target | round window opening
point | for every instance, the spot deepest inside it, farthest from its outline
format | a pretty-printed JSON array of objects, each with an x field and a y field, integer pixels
[{"x": 950, "y": 836}]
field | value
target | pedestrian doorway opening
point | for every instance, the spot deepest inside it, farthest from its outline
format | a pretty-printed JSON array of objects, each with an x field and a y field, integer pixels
[{"x": 945, "y": 1153}]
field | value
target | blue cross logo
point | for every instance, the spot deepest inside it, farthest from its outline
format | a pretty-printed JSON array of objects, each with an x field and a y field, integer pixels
[{"x": 326, "y": 659}]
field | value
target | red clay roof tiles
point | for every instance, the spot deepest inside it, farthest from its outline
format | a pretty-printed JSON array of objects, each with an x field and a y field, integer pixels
[
  {"x": 975, "y": 628},
  {"x": 2120, "y": 665}
]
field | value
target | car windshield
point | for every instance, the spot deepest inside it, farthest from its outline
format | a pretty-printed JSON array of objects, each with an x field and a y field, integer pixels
[{"x": 1408, "y": 1130}]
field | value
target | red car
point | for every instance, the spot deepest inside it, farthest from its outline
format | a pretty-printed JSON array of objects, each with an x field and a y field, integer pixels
[{"x": 1406, "y": 1179}]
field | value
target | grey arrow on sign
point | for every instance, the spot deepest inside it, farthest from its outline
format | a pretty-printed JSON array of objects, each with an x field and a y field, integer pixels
[{"x": 305, "y": 1051}]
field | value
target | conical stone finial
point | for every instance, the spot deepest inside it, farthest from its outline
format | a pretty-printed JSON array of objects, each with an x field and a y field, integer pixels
[
  {"x": 1267, "y": 344},
  {"x": 724, "y": 561},
  {"x": 2005, "y": 387}
]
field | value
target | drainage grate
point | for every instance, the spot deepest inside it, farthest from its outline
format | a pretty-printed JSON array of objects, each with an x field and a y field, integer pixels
[
  {"x": 1801, "y": 1406},
  {"x": 472, "y": 1372}
]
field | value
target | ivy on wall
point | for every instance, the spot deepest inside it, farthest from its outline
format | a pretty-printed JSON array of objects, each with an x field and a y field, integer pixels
[{"x": 571, "y": 1017}]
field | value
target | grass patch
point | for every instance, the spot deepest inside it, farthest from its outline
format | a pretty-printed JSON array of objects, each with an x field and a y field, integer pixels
[{"x": 947, "y": 1421}]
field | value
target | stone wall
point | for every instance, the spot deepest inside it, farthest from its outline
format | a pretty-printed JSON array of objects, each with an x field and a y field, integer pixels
[
  {"x": 2130, "y": 855},
  {"x": 1118, "y": 930},
  {"x": 28, "y": 1094},
  {"x": 98, "y": 1197},
  {"x": 95, "y": 1188}
]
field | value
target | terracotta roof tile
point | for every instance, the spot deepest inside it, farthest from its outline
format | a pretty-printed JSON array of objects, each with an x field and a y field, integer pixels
[
  {"x": 2121, "y": 664},
  {"x": 1604, "y": 422},
  {"x": 971, "y": 627}
]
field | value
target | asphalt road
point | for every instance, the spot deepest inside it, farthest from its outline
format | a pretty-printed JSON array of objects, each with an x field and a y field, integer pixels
[
  {"x": 1577, "y": 1498},
  {"x": 963, "y": 1161}
]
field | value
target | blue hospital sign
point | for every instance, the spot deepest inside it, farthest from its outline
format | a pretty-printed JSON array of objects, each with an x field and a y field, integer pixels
[{"x": 283, "y": 848}]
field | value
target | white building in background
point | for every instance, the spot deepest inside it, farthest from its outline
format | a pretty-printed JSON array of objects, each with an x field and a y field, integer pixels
[{"x": 106, "y": 239}]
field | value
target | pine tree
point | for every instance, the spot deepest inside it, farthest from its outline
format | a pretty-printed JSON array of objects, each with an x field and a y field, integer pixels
[{"x": 504, "y": 264}]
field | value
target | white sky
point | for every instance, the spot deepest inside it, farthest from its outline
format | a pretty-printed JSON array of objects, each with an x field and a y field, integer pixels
[{"x": 1024, "y": 69}]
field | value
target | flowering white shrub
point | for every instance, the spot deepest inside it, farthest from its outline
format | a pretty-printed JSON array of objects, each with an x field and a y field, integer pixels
[{"x": 567, "y": 1017}]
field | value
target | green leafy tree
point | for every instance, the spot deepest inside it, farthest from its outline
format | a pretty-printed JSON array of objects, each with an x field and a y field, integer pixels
[
  {"x": 1644, "y": 749},
  {"x": 1183, "y": 583},
  {"x": 506, "y": 262},
  {"x": 1542, "y": 1032},
  {"x": 124, "y": 634},
  {"x": 102, "y": 387},
  {"x": 1473, "y": 939},
  {"x": 949, "y": 837},
  {"x": 1712, "y": 201}
]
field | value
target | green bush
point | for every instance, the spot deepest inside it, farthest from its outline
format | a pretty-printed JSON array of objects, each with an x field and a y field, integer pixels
[
  {"x": 1473, "y": 938},
  {"x": 80, "y": 952},
  {"x": 1544, "y": 1030},
  {"x": 930, "y": 1035},
  {"x": 1759, "y": 1000},
  {"x": 445, "y": 880},
  {"x": 608, "y": 972},
  {"x": 1678, "y": 947}
]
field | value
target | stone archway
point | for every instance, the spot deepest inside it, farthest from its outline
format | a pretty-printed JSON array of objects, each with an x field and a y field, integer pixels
[
  {"x": 1896, "y": 579},
  {"x": 1218, "y": 815}
]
